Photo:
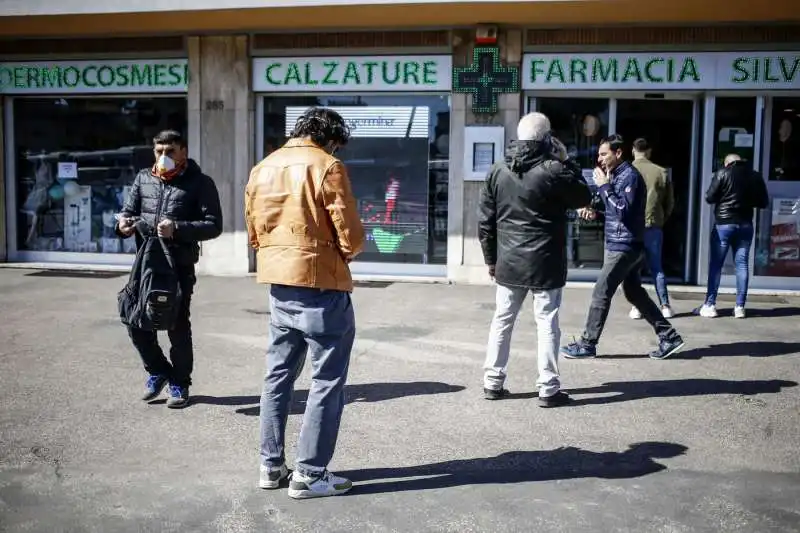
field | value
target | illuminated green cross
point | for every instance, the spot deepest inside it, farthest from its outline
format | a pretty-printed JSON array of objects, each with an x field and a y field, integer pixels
[{"x": 485, "y": 78}]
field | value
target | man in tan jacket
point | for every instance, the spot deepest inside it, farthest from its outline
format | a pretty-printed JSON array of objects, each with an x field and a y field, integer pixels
[
  {"x": 660, "y": 202},
  {"x": 302, "y": 219}
]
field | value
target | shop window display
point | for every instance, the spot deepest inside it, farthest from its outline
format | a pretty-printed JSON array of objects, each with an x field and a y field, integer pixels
[
  {"x": 778, "y": 232},
  {"x": 580, "y": 123},
  {"x": 75, "y": 159},
  {"x": 397, "y": 160}
]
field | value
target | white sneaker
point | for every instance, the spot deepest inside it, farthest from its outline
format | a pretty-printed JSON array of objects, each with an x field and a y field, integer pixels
[
  {"x": 270, "y": 476},
  {"x": 709, "y": 311},
  {"x": 302, "y": 487},
  {"x": 666, "y": 311},
  {"x": 635, "y": 314},
  {"x": 738, "y": 312}
]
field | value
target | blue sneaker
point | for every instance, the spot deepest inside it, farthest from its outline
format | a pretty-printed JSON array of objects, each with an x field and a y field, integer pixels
[
  {"x": 579, "y": 350},
  {"x": 178, "y": 397},
  {"x": 667, "y": 347},
  {"x": 153, "y": 387}
]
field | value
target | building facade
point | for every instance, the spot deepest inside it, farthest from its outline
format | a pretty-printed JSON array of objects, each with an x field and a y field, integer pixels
[{"x": 431, "y": 96}]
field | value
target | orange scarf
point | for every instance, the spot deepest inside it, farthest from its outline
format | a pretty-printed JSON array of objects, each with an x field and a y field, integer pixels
[{"x": 168, "y": 175}]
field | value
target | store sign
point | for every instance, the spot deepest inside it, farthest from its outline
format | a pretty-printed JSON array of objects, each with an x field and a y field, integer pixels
[
  {"x": 348, "y": 74},
  {"x": 87, "y": 77},
  {"x": 662, "y": 71},
  {"x": 376, "y": 122}
]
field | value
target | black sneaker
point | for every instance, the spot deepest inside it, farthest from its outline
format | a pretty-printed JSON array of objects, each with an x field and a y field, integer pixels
[
  {"x": 178, "y": 397},
  {"x": 667, "y": 347},
  {"x": 494, "y": 394},
  {"x": 153, "y": 387},
  {"x": 558, "y": 399}
]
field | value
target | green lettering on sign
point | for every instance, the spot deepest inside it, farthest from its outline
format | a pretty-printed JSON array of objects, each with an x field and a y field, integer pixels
[
  {"x": 89, "y": 76},
  {"x": 604, "y": 74},
  {"x": 349, "y": 73},
  {"x": 556, "y": 70},
  {"x": 689, "y": 70},
  {"x": 292, "y": 75}
]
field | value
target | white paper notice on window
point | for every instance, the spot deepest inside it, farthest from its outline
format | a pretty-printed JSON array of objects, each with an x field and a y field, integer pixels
[
  {"x": 68, "y": 171},
  {"x": 482, "y": 157},
  {"x": 743, "y": 140}
]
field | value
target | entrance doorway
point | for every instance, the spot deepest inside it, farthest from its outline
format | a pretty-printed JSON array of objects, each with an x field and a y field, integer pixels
[{"x": 668, "y": 127}]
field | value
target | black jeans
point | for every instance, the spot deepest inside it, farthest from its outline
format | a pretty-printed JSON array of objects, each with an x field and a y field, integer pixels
[
  {"x": 622, "y": 268},
  {"x": 181, "y": 352}
]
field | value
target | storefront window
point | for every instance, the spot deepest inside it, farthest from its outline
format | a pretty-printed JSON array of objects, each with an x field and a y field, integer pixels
[
  {"x": 580, "y": 123},
  {"x": 75, "y": 159},
  {"x": 397, "y": 160},
  {"x": 734, "y": 133},
  {"x": 778, "y": 233},
  {"x": 784, "y": 149}
]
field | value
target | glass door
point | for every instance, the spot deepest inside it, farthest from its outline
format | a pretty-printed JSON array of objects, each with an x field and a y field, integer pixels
[
  {"x": 669, "y": 123},
  {"x": 668, "y": 126},
  {"x": 732, "y": 126}
]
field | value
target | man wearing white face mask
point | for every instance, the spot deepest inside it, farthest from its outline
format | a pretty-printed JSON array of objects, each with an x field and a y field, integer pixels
[{"x": 176, "y": 201}]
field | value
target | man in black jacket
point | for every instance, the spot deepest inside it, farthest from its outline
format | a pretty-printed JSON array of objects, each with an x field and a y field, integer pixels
[
  {"x": 735, "y": 191},
  {"x": 523, "y": 234},
  {"x": 180, "y": 204}
]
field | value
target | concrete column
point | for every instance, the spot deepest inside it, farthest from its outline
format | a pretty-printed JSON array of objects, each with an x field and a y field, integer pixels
[
  {"x": 465, "y": 263},
  {"x": 221, "y": 140}
]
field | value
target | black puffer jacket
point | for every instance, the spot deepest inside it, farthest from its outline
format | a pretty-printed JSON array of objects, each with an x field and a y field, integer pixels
[
  {"x": 523, "y": 216},
  {"x": 191, "y": 200},
  {"x": 735, "y": 191}
]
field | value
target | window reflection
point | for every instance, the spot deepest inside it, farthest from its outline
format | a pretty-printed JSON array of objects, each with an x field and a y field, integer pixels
[
  {"x": 398, "y": 162},
  {"x": 580, "y": 123},
  {"x": 785, "y": 140},
  {"x": 75, "y": 159}
]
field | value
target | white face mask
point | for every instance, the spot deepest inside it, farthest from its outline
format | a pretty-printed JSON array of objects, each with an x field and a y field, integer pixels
[{"x": 165, "y": 164}]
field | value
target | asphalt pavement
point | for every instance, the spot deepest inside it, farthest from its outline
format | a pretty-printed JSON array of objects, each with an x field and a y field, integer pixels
[{"x": 707, "y": 441}]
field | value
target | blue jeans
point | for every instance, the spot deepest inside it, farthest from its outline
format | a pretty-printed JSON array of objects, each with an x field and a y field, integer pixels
[
  {"x": 321, "y": 322},
  {"x": 739, "y": 237},
  {"x": 653, "y": 242}
]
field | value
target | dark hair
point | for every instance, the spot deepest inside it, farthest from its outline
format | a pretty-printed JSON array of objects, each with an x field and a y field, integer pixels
[
  {"x": 615, "y": 142},
  {"x": 170, "y": 137},
  {"x": 322, "y": 126},
  {"x": 640, "y": 145}
]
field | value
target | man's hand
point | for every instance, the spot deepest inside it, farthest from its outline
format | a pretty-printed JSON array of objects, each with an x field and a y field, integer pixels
[
  {"x": 600, "y": 177},
  {"x": 559, "y": 150},
  {"x": 166, "y": 228},
  {"x": 491, "y": 271},
  {"x": 126, "y": 226},
  {"x": 587, "y": 213}
]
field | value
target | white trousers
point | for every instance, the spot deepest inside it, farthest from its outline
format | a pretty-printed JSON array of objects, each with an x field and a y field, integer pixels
[{"x": 546, "y": 305}]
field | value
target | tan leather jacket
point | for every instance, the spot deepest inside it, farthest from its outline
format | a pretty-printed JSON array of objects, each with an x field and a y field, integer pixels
[{"x": 302, "y": 218}]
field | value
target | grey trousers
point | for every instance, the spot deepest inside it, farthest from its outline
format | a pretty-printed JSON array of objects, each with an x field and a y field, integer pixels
[
  {"x": 322, "y": 323},
  {"x": 546, "y": 305}
]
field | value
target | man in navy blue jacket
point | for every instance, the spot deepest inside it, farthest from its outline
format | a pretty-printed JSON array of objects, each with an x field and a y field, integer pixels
[{"x": 623, "y": 193}]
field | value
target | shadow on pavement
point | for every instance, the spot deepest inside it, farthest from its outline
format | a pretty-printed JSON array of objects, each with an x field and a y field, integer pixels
[
  {"x": 366, "y": 392},
  {"x": 733, "y": 349},
  {"x": 775, "y": 312},
  {"x": 626, "y": 391},
  {"x": 519, "y": 467}
]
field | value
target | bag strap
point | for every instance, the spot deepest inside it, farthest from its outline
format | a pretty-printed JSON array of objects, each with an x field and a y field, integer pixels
[{"x": 167, "y": 253}]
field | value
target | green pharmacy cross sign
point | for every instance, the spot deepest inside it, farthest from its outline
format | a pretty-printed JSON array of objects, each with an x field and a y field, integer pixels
[{"x": 485, "y": 79}]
